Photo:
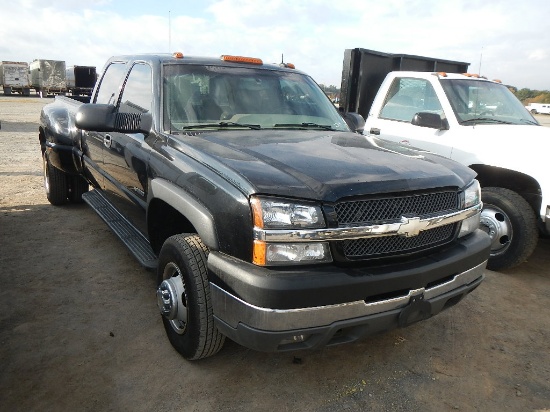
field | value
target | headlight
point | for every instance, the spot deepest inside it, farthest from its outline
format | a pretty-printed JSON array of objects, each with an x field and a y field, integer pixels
[
  {"x": 280, "y": 214},
  {"x": 472, "y": 197},
  {"x": 274, "y": 214}
]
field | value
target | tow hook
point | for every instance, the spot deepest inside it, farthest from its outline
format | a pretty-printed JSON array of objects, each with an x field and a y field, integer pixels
[{"x": 167, "y": 299}]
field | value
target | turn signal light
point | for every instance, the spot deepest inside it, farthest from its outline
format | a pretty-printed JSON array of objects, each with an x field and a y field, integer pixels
[
  {"x": 177, "y": 55},
  {"x": 259, "y": 253}
]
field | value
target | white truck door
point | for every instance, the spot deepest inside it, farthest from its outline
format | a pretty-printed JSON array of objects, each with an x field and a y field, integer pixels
[{"x": 391, "y": 119}]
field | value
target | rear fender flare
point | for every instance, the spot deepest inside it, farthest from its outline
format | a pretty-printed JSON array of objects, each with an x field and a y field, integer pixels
[{"x": 60, "y": 139}]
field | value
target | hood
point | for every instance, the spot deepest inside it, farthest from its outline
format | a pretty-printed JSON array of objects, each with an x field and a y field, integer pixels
[
  {"x": 514, "y": 147},
  {"x": 319, "y": 165}
]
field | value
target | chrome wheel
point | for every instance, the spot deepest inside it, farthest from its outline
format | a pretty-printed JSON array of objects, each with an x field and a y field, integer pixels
[
  {"x": 172, "y": 298},
  {"x": 498, "y": 226}
]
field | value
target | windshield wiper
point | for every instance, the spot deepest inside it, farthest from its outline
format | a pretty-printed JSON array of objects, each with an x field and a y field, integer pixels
[
  {"x": 484, "y": 119},
  {"x": 305, "y": 125},
  {"x": 529, "y": 122},
  {"x": 222, "y": 125}
]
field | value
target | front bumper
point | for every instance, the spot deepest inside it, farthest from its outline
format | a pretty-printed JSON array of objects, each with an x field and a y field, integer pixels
[
  {"x": 406, "y": 293},
  {"x": 275, "y": 330}
]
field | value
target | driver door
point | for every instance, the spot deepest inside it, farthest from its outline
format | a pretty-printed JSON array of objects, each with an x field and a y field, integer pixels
[{"x": 406, "y": 97}]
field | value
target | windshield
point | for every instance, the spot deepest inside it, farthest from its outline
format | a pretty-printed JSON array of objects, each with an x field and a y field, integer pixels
[
  {"x": 476, "y": 102},
  {"x": 221, "y": 97}
]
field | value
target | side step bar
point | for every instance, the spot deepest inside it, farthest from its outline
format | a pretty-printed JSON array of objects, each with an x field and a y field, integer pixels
[{"x": 130, "y": 236}]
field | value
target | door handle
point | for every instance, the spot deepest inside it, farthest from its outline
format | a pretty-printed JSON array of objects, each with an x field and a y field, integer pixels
[
  {"x": 375, "y": 131},
  {"x": 107, "y": 140}
]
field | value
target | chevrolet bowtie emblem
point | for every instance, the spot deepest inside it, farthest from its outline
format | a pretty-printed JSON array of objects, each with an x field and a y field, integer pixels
[{"x": 411, "y": 226}]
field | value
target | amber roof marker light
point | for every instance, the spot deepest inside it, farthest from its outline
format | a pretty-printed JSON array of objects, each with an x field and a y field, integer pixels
[{"x": 241, "y": 59}]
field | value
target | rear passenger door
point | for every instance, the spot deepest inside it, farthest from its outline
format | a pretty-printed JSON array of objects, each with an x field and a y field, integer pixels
[{"x": 93, "y": 142}]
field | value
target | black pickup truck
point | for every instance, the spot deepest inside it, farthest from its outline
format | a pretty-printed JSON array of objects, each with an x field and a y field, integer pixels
[{"x": 267, "y": 218}]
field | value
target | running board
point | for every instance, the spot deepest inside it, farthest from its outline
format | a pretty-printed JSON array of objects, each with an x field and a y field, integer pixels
[{"x": 130, "y": 236}]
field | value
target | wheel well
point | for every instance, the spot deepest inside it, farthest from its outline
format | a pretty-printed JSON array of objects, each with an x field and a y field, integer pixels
[
  {"x": 523, "y": 184},
  {"x": 164, "y": 221},
  {"x": 42, "y": 139}
]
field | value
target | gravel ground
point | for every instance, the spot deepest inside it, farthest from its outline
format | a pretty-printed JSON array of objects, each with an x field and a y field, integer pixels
[{"x": 79, "y": 328}]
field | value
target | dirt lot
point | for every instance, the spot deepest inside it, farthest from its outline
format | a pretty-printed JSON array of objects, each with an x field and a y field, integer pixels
[{"x": 80, "y": 331}]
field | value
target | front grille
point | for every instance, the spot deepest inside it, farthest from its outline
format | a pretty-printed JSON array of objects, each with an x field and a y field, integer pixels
[
  {"x": 388, "y": 245},
  {"x": 359, "y": 212},
  {"x": 392, "y": 209}
]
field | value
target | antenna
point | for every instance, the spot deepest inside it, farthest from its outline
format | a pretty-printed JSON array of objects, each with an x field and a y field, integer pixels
[
  {"x": 282, "y": 59},
  {"x": 169, "y": 33},
  {"x": 480, "y": 59}
]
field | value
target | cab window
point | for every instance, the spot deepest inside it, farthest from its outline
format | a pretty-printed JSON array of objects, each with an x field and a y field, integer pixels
[
  {"x": 408, "y": 96},
  {"x": 110, "y": 83},
  {"x": 137, "y": 96}
]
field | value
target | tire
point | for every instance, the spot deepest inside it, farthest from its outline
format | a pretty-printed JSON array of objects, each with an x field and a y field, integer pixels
[
  {"x": 55, "y": 183},
  {"x": 534, "y": 111},
  {"x": 511, "y": 223},
  {"x": 78, "y": 187},
  {"x": 182, "y": 278}
]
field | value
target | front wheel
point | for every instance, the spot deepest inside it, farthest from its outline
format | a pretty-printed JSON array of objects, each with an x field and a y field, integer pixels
[
  {"x": 183, "y": 297},
  {"x": 510, "y": 222}
]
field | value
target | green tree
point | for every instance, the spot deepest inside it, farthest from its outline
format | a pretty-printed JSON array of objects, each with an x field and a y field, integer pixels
[{"x": 527, "y": 96}]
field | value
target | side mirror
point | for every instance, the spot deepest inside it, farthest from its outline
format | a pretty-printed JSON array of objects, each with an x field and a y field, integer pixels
[
  {"x": 105, "y": 118},
  {"x": 431, "y": 120},
  {"x": 96, "y": 117},
  {"x": 355, "y": 121}
]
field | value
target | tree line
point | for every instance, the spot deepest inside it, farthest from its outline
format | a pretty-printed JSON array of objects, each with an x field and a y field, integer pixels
[{"x": 527, "y": 96}]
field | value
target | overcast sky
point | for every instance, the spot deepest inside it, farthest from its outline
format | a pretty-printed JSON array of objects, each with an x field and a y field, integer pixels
[{"x": 508, "y": 39}]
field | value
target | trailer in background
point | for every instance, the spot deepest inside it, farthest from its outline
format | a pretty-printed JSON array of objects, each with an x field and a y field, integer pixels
[
  {"x": 14, "y": 78},
  {"x": 364, "y": 70},
  {"x": 48, "y": 77},
  {"x": 81, "y": 80},
  {"x": 539, "y": 108}
]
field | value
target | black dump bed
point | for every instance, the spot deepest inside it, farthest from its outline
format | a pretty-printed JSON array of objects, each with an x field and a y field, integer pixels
[{"x": 364, "y": 70}]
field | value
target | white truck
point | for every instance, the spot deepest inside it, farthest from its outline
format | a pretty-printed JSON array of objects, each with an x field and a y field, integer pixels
[
  {"x": 14, "y": 78},
  {"x": 472, "y": 120},
  {"x": 539, "y": 108}
]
